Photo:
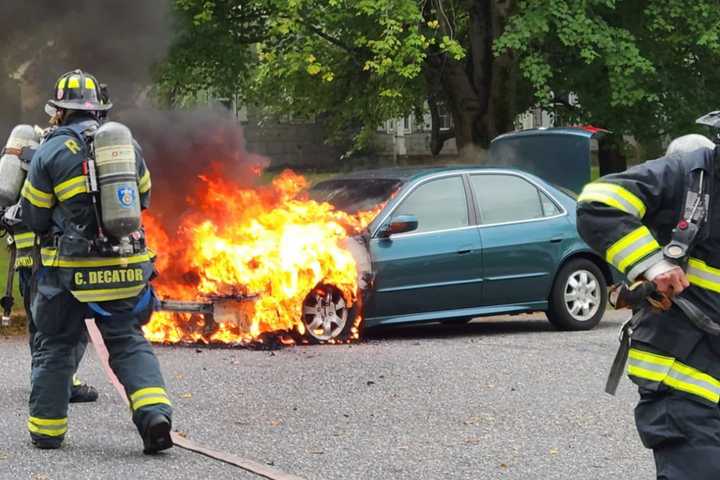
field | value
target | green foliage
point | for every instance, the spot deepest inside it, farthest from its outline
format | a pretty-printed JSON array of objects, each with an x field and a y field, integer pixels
[
  {"x": 639, "y": 67},
  {"x": 357, "y": 63}
]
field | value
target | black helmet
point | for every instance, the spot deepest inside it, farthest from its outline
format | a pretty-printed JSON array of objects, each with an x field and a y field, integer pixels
[{"x": 78, "y": 90}]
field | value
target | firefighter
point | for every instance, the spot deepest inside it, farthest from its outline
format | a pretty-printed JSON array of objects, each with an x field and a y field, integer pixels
[
  {"x": 84, "y": 205},
  {"x": 24, "y": 240},
  {"x": 657, "y": 222}
]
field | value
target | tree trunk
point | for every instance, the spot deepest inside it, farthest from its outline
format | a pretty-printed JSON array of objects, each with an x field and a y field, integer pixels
[
  {"x": 437, "y": 137},
  {"x": 611, "y": 156},
  {"x": 479, "y": 91}
]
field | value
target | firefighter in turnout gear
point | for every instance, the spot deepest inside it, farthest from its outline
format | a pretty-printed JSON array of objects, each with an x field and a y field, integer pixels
[
  {"x": 82, "y": 197},
  {"x": 23, "y": 240},
  {"x": 657, "y": 222}
]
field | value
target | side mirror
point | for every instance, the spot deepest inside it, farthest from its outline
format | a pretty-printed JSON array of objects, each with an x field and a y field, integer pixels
[{"x": 399, "y": 224}]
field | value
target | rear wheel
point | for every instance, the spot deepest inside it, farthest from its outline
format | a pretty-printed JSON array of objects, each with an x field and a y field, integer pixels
[
  {"x": 578, "y": 297},
  {"x": 327, "y": 316}
]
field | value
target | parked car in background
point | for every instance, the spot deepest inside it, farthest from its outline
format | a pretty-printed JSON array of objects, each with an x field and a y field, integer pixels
[{"x": 458, "y": 242}]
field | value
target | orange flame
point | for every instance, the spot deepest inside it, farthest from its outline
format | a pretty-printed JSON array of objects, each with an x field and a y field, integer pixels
[{"x": 268, "y": 242}]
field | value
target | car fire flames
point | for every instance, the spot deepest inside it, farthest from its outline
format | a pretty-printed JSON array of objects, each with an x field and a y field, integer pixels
[{"x": 259, "y": 252}]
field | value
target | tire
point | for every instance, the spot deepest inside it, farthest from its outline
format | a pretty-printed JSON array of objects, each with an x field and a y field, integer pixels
[
  {"x": 326, "y": 317},
  {"x": 579, "y": 296}
]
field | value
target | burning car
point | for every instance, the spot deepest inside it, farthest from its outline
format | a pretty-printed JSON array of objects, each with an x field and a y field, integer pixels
[
  {"x": 251, "y": 264},
  {"x": 382, "y": 247}
]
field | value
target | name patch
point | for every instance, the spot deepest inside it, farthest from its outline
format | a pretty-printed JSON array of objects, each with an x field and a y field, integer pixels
[{"x": 102, "y": 277}]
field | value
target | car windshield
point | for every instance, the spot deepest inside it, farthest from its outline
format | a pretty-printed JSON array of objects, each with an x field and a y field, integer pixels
[{"x": 355, "y": 195}]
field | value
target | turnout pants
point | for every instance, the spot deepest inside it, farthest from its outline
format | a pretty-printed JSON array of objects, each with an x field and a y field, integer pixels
[
  {"x": 684, "y": 435},
  {"x": 59, "y": 319},
  {"x": 678, "y": 415},
  {"x": 24, "y": 277}
]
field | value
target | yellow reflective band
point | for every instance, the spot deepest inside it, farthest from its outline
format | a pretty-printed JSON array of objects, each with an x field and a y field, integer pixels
[
  {"x": 37, "y": 197},
  {"x": 146, "y": 391},
  {"x": 63, "y": 82},
  {"x": 89, "y": 84},
  {"x": 631, "y": 248},
  {"x": 651, "y": 357},
  {"x": 47, "y": 431},
  {"x": 76, "y": 381},
  {"x": 149, "y": 396},
  {"x": 74, "y": 82},
  {"x": 69, "y": 188},
  {"x": 691, "y": 380},
  {"x": 24, "y": 262},
  {"x": 151, "y": 401},
  {"x": 50, "y": 258},
  {"x": 48, "y": 421},
  {"x": 50, "y": 427},
  {"x": 667, "y": 370},
  {"x": 24, "y": 240},
  {"x": 702, "y": 275},
  {"x": 614, "y": 196},
  {"x": 88, "y": 296},
  {"x": 145, "y": 183}
]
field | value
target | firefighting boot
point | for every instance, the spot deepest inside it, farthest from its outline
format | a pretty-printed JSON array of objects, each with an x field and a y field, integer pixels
[
  {"x": 156, "y": 433},
  {"x": 81, "y": 393},
  {"x": 46, "y": 443}
]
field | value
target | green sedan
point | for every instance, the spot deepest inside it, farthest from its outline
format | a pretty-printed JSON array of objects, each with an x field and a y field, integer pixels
[{"x": 459, "y": 242}]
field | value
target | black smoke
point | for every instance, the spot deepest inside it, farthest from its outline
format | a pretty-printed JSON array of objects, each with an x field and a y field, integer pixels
[
  {"x": 117, "y": 41},
  {"x": 120, "y": 42},
  {"x": 179, "y": 146}
]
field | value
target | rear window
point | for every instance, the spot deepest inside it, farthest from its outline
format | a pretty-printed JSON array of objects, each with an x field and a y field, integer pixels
[{"x": 355, "y": 195}]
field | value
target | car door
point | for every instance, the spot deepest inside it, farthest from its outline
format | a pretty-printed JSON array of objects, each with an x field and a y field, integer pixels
[
  {"x": 436, "y": 267},
  {"x": 522, "y": 230}
]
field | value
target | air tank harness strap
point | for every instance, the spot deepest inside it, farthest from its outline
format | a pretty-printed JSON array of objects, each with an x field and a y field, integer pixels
[
  {"x": 25, "y": 153},
  {"x": 141, "y": 305}
]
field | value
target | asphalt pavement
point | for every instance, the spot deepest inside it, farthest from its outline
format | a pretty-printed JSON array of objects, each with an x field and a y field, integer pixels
[{"x": 499, "y": 398}]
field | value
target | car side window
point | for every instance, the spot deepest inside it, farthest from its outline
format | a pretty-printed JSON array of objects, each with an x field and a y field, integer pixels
[
  {"x": 548, "y": 206},
  {"x": 438, "y": 205},
  {"x": 509, "y": 198}
]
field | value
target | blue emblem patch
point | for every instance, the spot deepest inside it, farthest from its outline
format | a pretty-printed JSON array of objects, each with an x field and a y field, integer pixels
[{"x": 126, "y": 196}]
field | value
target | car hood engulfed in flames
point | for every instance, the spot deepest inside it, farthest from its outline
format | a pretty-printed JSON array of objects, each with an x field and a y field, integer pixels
[{"x": 259, "y": 251}]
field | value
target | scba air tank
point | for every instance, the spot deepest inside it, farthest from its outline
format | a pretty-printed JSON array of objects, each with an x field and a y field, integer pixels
[
  {"x": 12, "y": 169},
  {"x": 117, "y": 180}
]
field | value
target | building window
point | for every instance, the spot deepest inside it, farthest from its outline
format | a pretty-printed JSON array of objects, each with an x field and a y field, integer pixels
[{"x": 407, "y": 124}]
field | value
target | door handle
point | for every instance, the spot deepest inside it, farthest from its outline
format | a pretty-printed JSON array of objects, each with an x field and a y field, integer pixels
[
  {"x": 556, "y": 240},
  {"x": 464, "y": 250}
]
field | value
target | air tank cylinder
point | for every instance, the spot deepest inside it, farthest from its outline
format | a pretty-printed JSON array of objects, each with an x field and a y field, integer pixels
[
  {"x": 117, "y": 180},
  {"x": 13, "y": 170}
]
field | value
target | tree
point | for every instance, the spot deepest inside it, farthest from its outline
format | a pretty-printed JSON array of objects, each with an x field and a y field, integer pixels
[
  {"x": 640, "y": 67},
  {"x": 644, "y": 68}
]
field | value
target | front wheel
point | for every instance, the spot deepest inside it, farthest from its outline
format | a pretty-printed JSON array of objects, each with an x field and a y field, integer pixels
[
  {"x": 326, "y": 316},
  {"x": 578, "y": 297}
]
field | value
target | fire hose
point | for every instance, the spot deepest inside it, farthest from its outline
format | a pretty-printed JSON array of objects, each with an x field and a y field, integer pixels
[{"x": 179, "y": 440}]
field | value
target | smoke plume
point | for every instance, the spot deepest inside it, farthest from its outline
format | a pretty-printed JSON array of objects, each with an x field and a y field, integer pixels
[
  {"x": 181, "y": 145},
  {"x": 119, "y": 42}
]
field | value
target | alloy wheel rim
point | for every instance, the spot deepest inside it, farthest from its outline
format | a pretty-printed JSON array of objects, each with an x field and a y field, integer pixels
[
  {"x": 582, "y": 295},
  {"x": 325, "y": 313}
]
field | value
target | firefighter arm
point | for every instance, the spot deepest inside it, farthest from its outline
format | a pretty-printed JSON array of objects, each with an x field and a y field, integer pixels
[
  {"x": 611, "y": 211},
  {"x": 37, "y": 198}
]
